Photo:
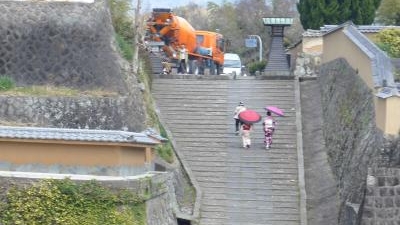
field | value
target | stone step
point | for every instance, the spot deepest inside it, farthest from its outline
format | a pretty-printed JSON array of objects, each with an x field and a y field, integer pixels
[{"x": 240, "y": 186}]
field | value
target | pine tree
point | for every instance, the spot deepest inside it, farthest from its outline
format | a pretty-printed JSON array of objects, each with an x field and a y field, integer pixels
[
  {"x": 331, "y": 12},
  {"x": 311, "y": 16},
  {"x": 344, "y": 10},
  {"x": 368, "y": 14},
  {"x": 356, "y": 15},
  {"x": 316, "y": 13}
]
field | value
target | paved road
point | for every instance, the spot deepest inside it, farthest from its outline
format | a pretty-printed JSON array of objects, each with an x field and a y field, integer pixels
[{"x": 240, "y": 186}]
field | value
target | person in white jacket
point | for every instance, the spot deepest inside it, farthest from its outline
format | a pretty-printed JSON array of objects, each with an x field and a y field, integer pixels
[
  {"x": 240, "y": 108},
  {"x": 183, "y": 55}
]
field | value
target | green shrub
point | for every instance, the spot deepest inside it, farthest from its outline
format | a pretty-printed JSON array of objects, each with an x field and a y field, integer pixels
[
  {"x": 6, "y": 83},
  {"x": 166, "y": 150},
  {"x": 389, "y": 41},
  {"x": 122, "y": 18},
  {"x": 65, "y": 202},
  {"x": 257, "y": 66},
  {"x": 125, "y": 47}
]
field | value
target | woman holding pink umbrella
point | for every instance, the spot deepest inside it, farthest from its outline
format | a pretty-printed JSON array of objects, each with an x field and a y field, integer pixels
[
  {"x": 269, "y": 124},
  {"x": 269, "y": 128}
]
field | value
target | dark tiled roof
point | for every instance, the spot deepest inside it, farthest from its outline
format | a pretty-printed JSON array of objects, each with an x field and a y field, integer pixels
[{"x": 77, "y": 135}]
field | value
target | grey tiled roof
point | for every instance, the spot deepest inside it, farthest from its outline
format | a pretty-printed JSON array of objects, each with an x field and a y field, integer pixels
[
  {"x": 313, "y": 33},
  {"x": 361, "y": 28},
  {"x": 387, "y": 92},
  {"x": 373, "y": 28},
  {"x": 77, "y": 135},
  {"x": 382, "y": 74},
  {"x": 153, "y": 133}
]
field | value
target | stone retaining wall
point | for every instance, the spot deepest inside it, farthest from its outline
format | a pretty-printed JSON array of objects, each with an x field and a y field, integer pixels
[
  {"x": 382, "y": 200},
  {"x": 307, "y": 65},
  {"x": 72, "y": 44},
  {"x": 352, "y": 141},
  {"x": 108, "y": 113},
  {"x": 59, "y": 43}
]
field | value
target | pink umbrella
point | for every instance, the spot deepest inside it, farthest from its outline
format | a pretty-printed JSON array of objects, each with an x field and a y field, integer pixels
[
  {"x": 275, "y": 110},
  {"x": 249, "y": 116}
]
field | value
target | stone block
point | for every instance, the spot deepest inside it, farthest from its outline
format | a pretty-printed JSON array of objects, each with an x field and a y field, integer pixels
[
  {"x": 370, "y": 191},
  {"x": 386, "y": 191},
  {"x": 365, "y": 221},
  {"x": 368, "y": 213},
  {"x": 385, "y": 214},
  {"x": 389, "y": 202},
  {"x": 392, "y": 181},
  {"x": 378, "y": 203},
  {"x": 381, "y": 181},
  {"x": 381, "y": 213},
  {"x": 368, "y": 202}
]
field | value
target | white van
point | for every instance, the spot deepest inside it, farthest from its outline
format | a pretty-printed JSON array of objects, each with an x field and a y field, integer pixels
[{"x": 232, "y": 64}]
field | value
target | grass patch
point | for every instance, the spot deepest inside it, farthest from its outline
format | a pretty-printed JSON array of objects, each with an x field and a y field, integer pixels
[
  {"x": 125, "y": 47},
  {"x": 17, "y": 124},
  {"x": 55, "y": 91},
  {"x": 6, "y": 83},
  {"x": 166, "y": 152},
  {"x": 190, "y": 195}
]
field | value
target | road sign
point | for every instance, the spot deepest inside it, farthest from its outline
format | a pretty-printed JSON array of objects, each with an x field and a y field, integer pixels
[{"x": 251, "y": 43}]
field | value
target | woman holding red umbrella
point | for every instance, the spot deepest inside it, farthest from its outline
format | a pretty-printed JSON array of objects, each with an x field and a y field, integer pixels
[
  {"x": 246, "y": 130},
  {"x": 248, "y": 117}
]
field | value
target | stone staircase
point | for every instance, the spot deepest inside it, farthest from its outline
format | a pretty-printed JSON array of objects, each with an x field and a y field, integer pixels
[
  {"x": 155, "y": 61},
  {"x": 277, "y": 63},
  {"x": 239, "y": 186}
]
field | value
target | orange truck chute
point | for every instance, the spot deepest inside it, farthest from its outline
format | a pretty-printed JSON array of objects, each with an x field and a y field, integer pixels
[{"x": 166, "y": 32}]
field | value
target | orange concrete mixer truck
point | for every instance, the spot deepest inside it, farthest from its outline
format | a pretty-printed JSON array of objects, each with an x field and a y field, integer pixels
[{"x": 166, "y": 33}]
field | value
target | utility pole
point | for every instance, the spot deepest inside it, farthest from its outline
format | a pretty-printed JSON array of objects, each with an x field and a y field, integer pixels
[{"x": 136, "y": 38}]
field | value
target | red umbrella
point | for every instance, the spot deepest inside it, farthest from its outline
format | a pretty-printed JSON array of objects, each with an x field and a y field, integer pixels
[
  {"x": 275, "y": 110},
  {"x": 249, "y": 116}
]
